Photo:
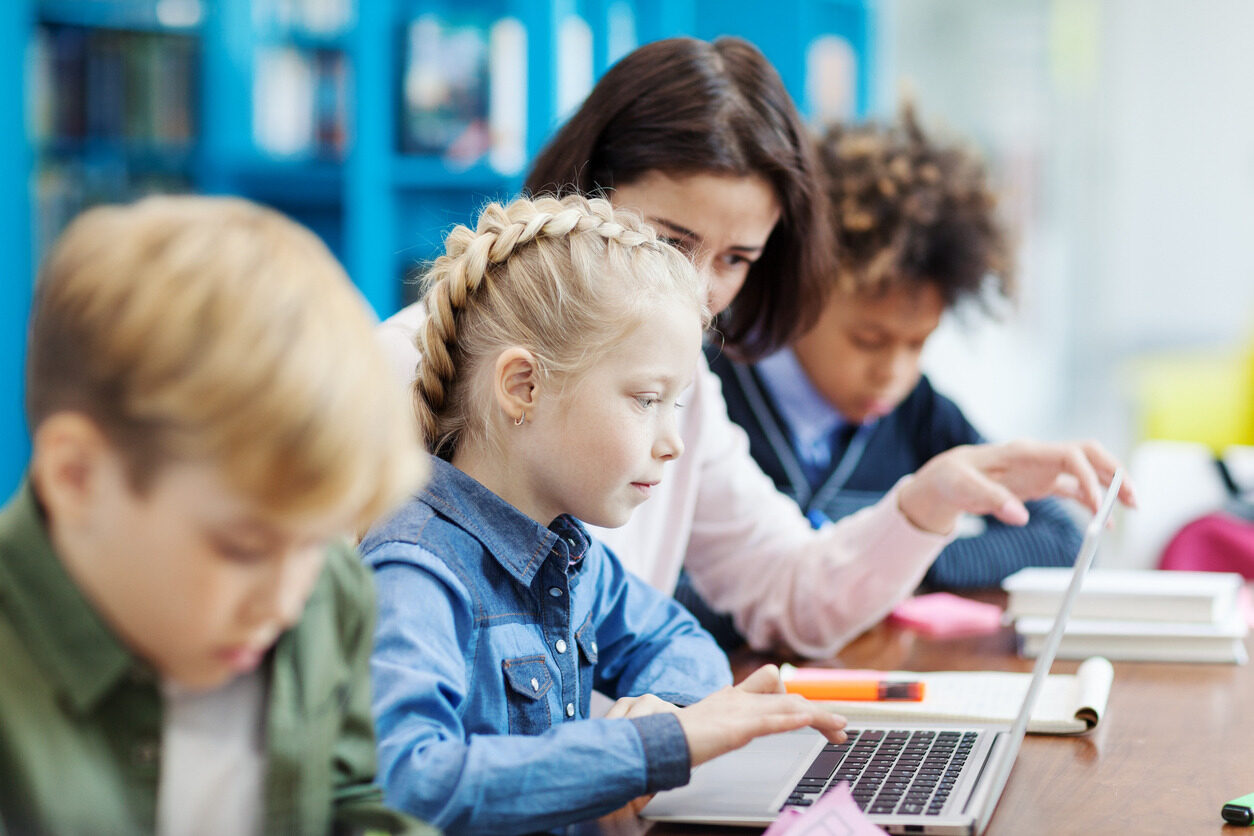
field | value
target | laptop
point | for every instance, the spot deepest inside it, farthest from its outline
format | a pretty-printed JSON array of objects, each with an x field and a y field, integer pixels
[{"x": 941, "y": 778}]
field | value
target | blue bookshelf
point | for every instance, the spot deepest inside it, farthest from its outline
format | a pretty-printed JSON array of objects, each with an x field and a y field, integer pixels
[
  {"x": 358, "y": 182},
  {"x": 788, "y": 46},
  {"x": 15, "y": 241},
  {"x": 126, "y": 15}
]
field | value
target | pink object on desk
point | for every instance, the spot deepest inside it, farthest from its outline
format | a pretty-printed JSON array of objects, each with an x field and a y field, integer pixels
[
  {"x": 834, "y": 813},
  {"x": 940, "y": 615}
]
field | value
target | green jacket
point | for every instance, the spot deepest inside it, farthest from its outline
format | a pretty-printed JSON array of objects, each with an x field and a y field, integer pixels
[{"x": 80, "y": 716}]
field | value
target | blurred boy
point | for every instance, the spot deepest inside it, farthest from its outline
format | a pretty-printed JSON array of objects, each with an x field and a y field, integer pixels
[
  {"x": 841, "y": 415},
  {"x": 185, "y": 632}
]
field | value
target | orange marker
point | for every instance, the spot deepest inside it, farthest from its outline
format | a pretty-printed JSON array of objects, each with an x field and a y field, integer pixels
[{"x": 856, "y": 689}]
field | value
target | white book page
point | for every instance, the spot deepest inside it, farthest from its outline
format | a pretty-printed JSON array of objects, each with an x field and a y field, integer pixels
[{"x": 1068, "y": 703}]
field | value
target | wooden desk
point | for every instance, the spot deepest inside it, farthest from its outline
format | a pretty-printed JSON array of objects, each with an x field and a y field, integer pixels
[{"x": 1177, "y": 742}]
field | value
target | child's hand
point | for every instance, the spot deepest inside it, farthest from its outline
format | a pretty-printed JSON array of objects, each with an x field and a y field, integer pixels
[
  {"x": 640, "y": 706},
  {"x": 731, "y": 717},
  {"x": 996, "y": 479}
]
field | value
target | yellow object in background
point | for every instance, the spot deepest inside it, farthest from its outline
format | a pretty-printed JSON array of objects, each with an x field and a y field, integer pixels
[{"x": 1202, "y": 397}]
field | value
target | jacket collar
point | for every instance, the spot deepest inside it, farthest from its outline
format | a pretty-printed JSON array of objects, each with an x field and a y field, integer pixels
[
  {"x": 62, "y": 629},
  {"x": 517, "y": 542}
]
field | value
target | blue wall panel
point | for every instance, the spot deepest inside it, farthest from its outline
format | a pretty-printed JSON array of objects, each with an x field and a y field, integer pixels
[{"x": 15, "y": 239}]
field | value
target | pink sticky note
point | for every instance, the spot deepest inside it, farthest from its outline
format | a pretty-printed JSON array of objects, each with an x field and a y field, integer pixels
[
  {"x": 939, "y": 615},
  {"x": 835, "y": 813}
]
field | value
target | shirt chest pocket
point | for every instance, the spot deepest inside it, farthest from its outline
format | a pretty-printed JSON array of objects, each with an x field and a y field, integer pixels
[
  {"x": 586, "y": 638},
  {"x": 527, "y": 684}
]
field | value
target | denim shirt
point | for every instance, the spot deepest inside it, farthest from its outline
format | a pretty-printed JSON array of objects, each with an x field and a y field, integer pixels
[{"x": 493, "y": 631}]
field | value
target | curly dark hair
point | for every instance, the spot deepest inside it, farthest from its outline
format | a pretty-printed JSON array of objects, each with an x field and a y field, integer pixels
[{"x": 909, "y": 210}]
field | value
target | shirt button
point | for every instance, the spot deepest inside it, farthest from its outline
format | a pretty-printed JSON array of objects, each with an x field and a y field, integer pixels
[
  {"x": 570, "y": 709},
  {"x": 594, "y": 648},
  {"x": 556, "y": 592},
  {"x": 145, "y": 753},
  {"x": 535, "y": 684},
  {"x": 139, "y": 676},
  {"x": 570, "y": 541},
  {"x": 560, "y": 646}
]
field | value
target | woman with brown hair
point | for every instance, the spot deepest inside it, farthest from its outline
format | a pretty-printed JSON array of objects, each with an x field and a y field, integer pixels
[{"x": 703, "y": 140}]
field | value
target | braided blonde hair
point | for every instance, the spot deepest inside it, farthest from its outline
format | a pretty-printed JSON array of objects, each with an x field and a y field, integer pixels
[{"x": 564, "y": 278}]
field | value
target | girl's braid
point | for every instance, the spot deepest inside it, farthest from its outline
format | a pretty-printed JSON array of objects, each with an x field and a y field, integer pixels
[{"x": 457, "y": 276}]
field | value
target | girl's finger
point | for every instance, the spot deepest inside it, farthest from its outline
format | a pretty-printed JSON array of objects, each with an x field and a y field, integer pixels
[{"x": 765, "y": 680}]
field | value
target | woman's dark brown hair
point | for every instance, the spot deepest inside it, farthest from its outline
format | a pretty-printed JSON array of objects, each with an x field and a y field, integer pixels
[
  {"x": 682, "y": 107},
  {"x": 909, "y": 209}
]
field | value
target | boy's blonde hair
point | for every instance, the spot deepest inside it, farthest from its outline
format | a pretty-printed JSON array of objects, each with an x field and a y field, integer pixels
[
  {"x": 564, "y": 278},
  {"x": 214, "y": 330}
]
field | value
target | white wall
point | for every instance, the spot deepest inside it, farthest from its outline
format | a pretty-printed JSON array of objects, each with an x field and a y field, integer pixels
[{"x": 1122, "y": 134}]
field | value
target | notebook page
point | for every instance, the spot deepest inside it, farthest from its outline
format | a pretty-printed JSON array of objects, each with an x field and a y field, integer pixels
[{"x": 1068, "y": 704}]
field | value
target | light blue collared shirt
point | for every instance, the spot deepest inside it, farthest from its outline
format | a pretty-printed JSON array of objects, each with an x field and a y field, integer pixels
[{"x": 811, "y": 420}]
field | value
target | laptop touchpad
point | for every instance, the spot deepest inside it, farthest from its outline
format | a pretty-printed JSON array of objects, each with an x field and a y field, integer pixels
[{"x": 749, "y": 783}]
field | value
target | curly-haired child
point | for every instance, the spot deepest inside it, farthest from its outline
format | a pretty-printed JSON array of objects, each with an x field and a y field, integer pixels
[{"x": 837, "y": 418}]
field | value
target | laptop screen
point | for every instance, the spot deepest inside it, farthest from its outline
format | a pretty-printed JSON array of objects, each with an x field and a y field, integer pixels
[{"x": 1005, "y": 757}]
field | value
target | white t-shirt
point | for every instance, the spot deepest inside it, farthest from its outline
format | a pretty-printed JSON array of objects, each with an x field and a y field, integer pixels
[
  {"x": 748, "y": 548},
  {"x": 213, "y": 759}
]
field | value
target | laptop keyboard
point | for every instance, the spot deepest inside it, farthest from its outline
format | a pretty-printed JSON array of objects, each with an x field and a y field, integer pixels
[{"x": 902, "y": 772}]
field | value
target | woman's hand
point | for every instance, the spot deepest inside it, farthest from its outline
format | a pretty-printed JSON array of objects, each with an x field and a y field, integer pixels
[{"x": 996, "y": 479}]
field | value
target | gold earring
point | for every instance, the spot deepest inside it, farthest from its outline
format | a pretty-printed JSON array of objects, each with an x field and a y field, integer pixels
[{"x": 519, "y": 420}]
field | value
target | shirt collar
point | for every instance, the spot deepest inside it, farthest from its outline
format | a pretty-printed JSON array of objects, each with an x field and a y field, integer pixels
[
  {"x": 809, "y": 416},
  {"x": 54, "y": 620},
  {"x": 517, "y": 542}
]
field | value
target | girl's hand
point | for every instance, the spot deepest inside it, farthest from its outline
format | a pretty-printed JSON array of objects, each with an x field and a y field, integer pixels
[
  {"x": 640, "y": 707},
  {"x": 997, "y": 478},
  {"x": 731, "y": 717}
]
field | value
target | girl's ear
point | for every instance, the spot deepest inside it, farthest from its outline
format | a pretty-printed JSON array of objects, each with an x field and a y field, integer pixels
[{"x": 515, "y": 382}]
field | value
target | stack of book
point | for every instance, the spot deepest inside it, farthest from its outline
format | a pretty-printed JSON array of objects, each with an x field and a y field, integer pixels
[
  {"x": 1129, "y": 615},
  {"x": 111, "y": 116},
  {"x": 104, "y": 86}
]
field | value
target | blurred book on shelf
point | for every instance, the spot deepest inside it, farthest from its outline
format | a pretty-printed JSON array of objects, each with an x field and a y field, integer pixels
[
  {"x": 445, "y": 89},
  {"x": 62, "y": 190},
  {"x": 104, "y": 85},
  {"x": 112, "y": 117},
  {"x": 300, "y": 102}
]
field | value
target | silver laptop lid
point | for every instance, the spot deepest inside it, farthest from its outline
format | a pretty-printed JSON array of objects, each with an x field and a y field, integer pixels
[{"x": 1004, "y": 758}]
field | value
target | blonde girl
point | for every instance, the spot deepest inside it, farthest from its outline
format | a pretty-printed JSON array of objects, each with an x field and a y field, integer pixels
[{"x": 559, "y": 338}]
